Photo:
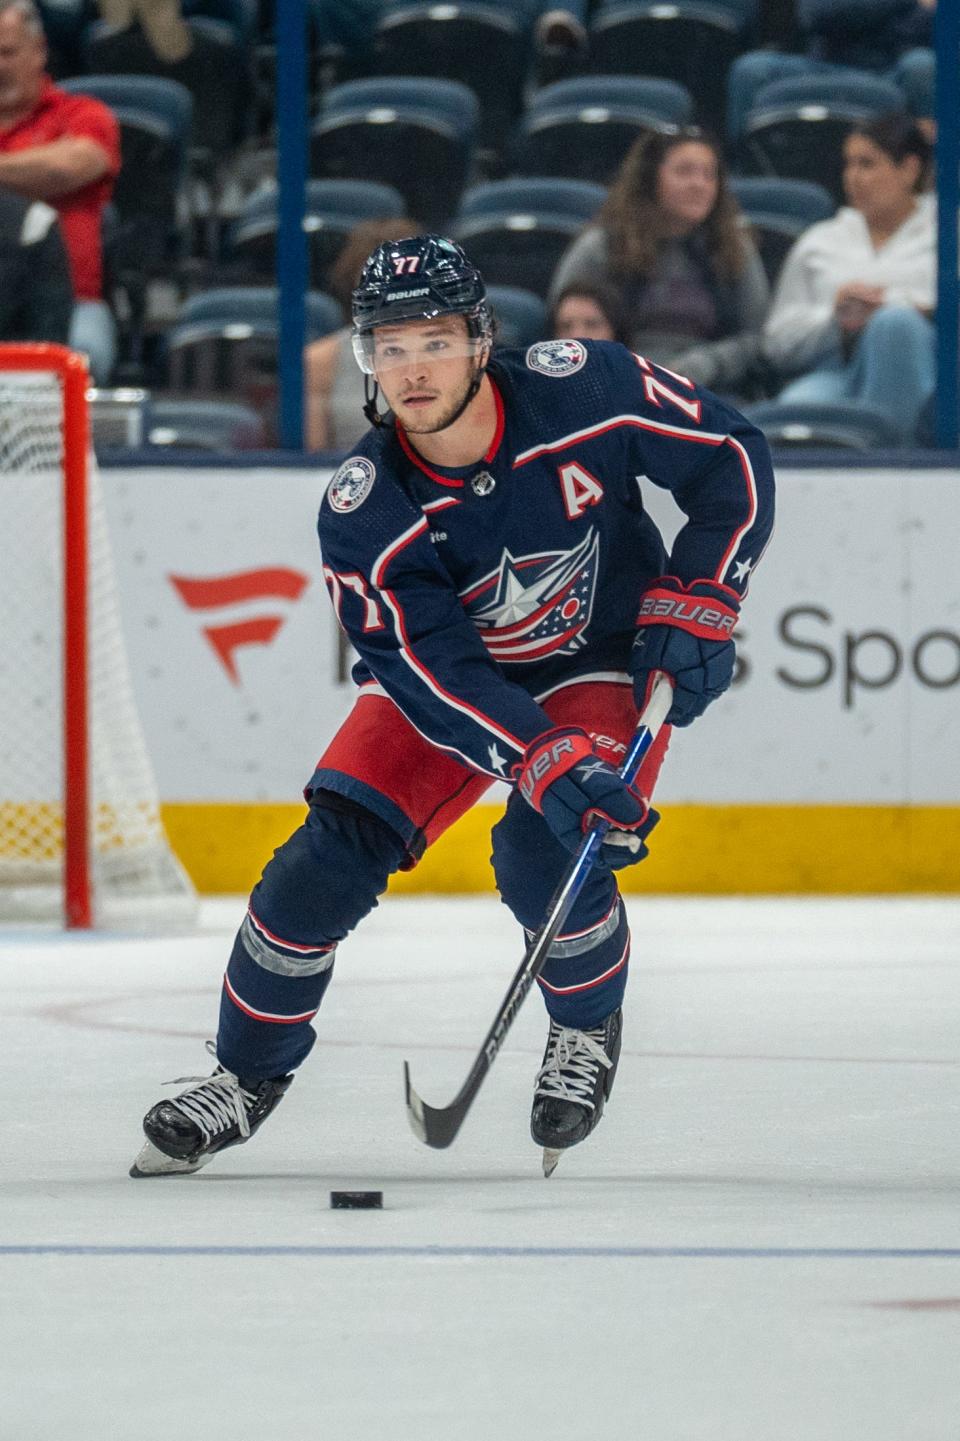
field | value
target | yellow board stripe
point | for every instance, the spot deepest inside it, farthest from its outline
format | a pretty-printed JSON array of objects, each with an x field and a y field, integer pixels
[{"x": 696, "y": 850}]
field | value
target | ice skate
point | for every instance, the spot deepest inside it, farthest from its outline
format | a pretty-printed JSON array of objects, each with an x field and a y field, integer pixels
[
  {"x": 572, "y": 1085},
  {"x": 214, "y": 1112}
]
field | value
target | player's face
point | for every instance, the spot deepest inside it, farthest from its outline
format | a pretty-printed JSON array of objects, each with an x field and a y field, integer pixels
[
  {"x": 874, "y": 182},
  {"x": 425, "y": 369},
  {"x": 22, "y": 59},
  {"x": 687, "y": 184}
]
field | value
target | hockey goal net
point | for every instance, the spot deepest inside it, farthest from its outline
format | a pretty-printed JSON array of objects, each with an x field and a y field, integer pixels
[{"x": 81, "y": 838}]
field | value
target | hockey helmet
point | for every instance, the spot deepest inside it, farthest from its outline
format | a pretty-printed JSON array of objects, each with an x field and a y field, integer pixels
[{"x": 418, "y": 279}]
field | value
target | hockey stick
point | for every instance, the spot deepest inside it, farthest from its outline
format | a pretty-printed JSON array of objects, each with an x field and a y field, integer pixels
[{"x": 438, "y": 1125}]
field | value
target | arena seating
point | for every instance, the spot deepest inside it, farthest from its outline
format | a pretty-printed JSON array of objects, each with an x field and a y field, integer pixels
[
  {"x": 821, "y": 425},
  {"x": 796, "y": 126},
  {"x": 413, "y": 133},
  {"x": 520, "y": 315},
  {"x": 436, "y": 111},
  {"x": 217, "y": 74},
  {"x": 224, "y": 341},
  {"x": 582, "y": 128},
  {"x": 516, "y": 230},
  {"x": 191, "y": 424},
  {"x": 484, "y": 46},
  {"x": 778, "y": 211},
  {"x": 146, "y": 233},
  {"x": 688, "y": 41},
  {"x": 333, "y": 208}
]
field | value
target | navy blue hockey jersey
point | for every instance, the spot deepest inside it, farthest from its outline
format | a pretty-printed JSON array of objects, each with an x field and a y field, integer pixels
[{"x": 472, "y": 594}]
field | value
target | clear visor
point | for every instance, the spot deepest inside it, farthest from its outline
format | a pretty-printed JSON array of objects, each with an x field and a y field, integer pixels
[{"x": 376, "y": 353}]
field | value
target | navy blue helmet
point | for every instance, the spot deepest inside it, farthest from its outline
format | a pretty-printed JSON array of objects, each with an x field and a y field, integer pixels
[{"x": 417, "y": 279}]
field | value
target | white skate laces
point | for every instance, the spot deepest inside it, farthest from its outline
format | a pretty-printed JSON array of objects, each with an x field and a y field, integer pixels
[
  {"x": 570, "y": 1070},
  {"x": 214, "y": 1102}
]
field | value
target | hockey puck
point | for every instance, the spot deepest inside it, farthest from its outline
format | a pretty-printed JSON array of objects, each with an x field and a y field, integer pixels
[{"x": 356, "y": 1200}]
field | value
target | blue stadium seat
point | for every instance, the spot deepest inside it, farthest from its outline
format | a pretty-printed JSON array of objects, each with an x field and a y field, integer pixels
[
  {"x": 485, "y": 46},
  {"x": 796, "y": 126},
  {"x": 516, "y": 230},
  {"x": 192, "y": 424},
  {"x": 779, "y": 210},
  {"x": 520, "y": 315},
  {"x": 582, "y": 128},
  {"x": 144, "y": 234},
  {"x": 224, "y": 341},
  {"x": 333, "y": 208},
  {"x": 823, "y": 425},
  {"x": 416, "y": 134},
  {"x": 690, "y": 41},
  {"x": 217, "y": 73}
]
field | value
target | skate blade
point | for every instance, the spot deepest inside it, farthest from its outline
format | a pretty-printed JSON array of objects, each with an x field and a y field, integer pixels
[
  {"x": 152, "y": 1162},
  {"x": 550, "y": 1159}
]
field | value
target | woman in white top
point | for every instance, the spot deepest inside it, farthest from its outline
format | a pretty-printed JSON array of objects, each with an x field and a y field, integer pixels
[{"x": 853, "y": 303}]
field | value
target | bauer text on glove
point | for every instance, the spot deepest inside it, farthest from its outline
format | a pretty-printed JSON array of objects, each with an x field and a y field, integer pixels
[
  {"x": 685, "y": 630},
  {"x": 564, "y": 778}
]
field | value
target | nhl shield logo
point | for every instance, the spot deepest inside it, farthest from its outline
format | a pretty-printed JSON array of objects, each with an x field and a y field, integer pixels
[
  {"x": 556, "y": 357},
  {"x": 482, "y": 483},
  {"x": 352, "y": 484}
]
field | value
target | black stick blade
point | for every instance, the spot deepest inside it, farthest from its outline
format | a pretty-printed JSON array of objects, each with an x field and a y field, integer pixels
[
  {"x": 436, "y": 1126},
  {"x": 414, "y": 1107}
]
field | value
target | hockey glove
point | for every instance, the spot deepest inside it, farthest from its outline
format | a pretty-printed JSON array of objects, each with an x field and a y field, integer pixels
[
  {"x": 686, "y": 631},
  {"x": 564, "y": 778}
]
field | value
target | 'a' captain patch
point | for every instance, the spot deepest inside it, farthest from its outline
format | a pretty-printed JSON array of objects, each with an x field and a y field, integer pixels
[
  {"x": 556, "y": 357},
  {"x": 352, "y": 484}
]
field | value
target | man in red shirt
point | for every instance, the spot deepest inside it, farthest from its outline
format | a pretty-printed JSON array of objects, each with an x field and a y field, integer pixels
[{"x": 63, "y": 149}]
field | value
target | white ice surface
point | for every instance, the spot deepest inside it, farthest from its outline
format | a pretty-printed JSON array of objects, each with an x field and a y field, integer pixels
[{"x": 760, "y": 1243}]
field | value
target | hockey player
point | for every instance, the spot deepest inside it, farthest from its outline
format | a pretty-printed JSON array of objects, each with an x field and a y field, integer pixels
[{"x": 488, "y": 553}]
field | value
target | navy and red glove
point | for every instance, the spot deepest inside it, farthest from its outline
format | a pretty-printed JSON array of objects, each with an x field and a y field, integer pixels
[
  {"x": 686, "y": 631},
  {"x": 563, "y": 777}
]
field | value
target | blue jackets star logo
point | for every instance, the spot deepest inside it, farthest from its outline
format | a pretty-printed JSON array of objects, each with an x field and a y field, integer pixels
[{"x": 536, "y": 605}]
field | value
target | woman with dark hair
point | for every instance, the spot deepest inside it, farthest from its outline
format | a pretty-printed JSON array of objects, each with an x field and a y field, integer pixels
[
  {"x": 587, "y": 311},
  {"x": 854, "y": 299},
  {"x": 670, "y": 239}
]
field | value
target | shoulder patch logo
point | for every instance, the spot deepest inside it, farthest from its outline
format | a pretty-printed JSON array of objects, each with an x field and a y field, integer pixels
[
  {"x": 556, "y": 357},
  {"x": 352, "y": 484}
]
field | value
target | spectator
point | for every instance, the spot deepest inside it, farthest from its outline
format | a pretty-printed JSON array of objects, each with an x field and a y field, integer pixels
[
  {"x": 893, "y": 38},
  {"x": 334, "y": 381},
  {"x": 670, "y": 240},
  {"x": 161, "y": 21},
  {"x": 588, "y": 312},
  {"x": 561, "y": 47},
  {"x": 36, "y": 297},
  {"x": 854, "y": 299},
  {"x": 65, "y": 150}
]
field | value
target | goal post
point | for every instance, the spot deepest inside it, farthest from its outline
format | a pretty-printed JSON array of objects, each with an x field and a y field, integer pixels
[{"x": 81, "y": 839}]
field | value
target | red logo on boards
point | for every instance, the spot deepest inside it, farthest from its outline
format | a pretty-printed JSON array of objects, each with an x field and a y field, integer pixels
[{"x": 220, "y": 592}]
